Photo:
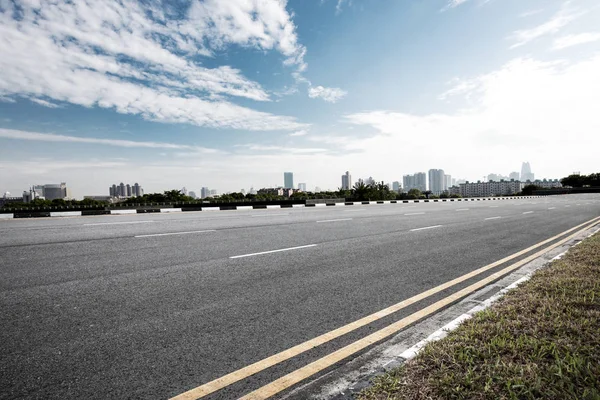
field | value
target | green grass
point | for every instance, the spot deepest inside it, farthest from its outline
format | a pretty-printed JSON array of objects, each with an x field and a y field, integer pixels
[{"x": 541, "y": 340}]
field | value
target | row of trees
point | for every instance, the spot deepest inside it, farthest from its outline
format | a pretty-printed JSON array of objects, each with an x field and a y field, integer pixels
[
  {"x": 576, "y": 180},
  {"x": 55, "y": 203}
]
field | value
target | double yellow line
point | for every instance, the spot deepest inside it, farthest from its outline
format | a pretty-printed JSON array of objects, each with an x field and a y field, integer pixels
[{"x": 313, "y": 368}]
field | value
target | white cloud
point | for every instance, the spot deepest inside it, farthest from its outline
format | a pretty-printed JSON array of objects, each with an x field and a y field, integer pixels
[
  {"x": 299, "y": 133},
  {"x": 45, "y": 103},
  {"x": 331, "y": 95},
  {"x": 530, "y": 13},
  {"x": 51, "y": 137},
  {"x": 558, "y": 21},
  {"x": 528, "y": 109},
  {"x": 575, "y": 39},
  {"x": 113, "y": 55}
]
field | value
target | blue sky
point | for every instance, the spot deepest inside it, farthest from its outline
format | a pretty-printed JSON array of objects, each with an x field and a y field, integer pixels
[{"x": 230, "y": 94}]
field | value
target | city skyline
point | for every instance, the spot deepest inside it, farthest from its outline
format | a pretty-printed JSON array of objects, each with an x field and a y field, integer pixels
[{"x": 177, "y": 97}]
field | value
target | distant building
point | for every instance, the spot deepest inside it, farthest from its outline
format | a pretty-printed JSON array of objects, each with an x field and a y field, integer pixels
[
  {"x": 123, "y": 190},
  {"x": 415, "y": 181},
  {"x": 192, "y": 194},
  {"x": 317, "y": 189},
  {"x": 213, "y": 192},
  {"x": 184, "y": 191},
  {"x": 396, "y": 186},
  {"x": 436, "y": 180},
  {"x": 483, "y": 189},
  {"x": 347, "y": 181},
  {"x": 369, "y": 181},
  {"x": 447, "y": 182},
  {"x": 513, "y": 176},
  {"x": 204, "y": 193},
  {"x": 548, "y": 183},
  {"x": 302, "y": 187},
  {"x": 272, "y": 191},
  {"x": 526, "y": 174},
  {"x": 288, "y": 180}
]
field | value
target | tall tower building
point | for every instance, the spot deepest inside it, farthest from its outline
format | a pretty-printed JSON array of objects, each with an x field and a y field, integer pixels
[
  {"x": 436, "y": 180},
  {"x": 128, "y": 190},
  {"x": 204, "y": 193},
  {"x": 347, "y": 181},
  {"x": 288, "y": 180},
  {"x": 526, "y": 174},
  {"x": 302, "y": 187},
  {"x": 122, "y": 191}
]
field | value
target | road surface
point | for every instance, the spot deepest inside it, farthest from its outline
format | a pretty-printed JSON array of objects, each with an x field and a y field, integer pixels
[{"x": 152, "y": 305}]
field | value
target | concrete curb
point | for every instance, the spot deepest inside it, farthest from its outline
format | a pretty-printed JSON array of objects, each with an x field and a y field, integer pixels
[{"x": 34, "y": 214}]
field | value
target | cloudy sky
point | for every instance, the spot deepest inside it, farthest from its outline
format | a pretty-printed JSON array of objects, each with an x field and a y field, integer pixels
[{"x": 230, "y": 94}]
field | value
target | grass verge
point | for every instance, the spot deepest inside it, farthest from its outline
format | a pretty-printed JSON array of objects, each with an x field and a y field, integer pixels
[{"x": 541, "y": 340}]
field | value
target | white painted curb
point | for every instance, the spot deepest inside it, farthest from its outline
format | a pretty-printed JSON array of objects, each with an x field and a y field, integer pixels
[
  {"x": 6, "y": 216},
  {"x": 169, "y": 210},
  {"x": 243, "y": 208},
  {"x": 298, "y": 205},
  {"x": 211, "y": 209},
  {"x": 273, "y": 206},
  {"x": 65, "y": 213},
  {"x": 119, "y": 212},
  {"x": 320, "y": 205}
]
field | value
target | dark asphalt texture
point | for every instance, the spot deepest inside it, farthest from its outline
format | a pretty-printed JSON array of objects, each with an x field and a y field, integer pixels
[{"x": 89, "y": 310}]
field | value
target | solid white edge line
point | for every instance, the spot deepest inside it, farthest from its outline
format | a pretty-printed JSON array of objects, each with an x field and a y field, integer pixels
[
  {"x": 334, "y": 220},
  {"x": 427, "y": 227},
  {"x": 274, "y": 251},
  {"x": 174, "y": 233}
]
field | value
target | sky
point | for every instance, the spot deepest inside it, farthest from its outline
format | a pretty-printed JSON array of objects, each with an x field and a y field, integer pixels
[{"x": 230, "y": 94}]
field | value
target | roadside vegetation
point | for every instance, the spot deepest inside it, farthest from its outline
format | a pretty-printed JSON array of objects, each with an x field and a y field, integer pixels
[{"x": 542, "y": 340}]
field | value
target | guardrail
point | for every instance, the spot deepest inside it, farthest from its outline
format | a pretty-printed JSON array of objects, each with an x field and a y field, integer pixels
[{"x": 37, "y": 212}]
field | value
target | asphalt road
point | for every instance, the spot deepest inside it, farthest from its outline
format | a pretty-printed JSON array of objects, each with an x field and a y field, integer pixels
[{"x": 151, "y": 305}]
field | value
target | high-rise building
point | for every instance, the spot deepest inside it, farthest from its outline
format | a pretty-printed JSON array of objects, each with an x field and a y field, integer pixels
[
  {"x": 213, "y": 192},
  {"x": 369, "y": 181},
  {"x": 137, "y": 190},
  {"x": 526, "y": 174},
  {"x": 288, "y": 180},
  {"x": 396, "y": 186},
  {"x": 302, "y": 187},
  {"x": 513, "y": 176},
  {"x": 184, "y": 191},
  {"x": 416, "y": 181},
  {"x": 122, "y": 191},
  {"x": 447, "y": 182},
  {"x": 204, "y": 193},
  {"x": 436, "y": 180},
  {"x": 192, "y": 194},
  {"x": 347, "y": 181},
  {"x": 128, "y": 190}
]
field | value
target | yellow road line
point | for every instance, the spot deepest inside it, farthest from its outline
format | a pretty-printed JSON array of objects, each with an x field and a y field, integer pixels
[
  {"x": 275, "y": 359},
  {"x": 300, "y": 374}
]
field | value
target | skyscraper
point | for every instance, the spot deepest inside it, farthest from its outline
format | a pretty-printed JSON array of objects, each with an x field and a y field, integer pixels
[
  {"x": 121, "y": 190},
  {"x": 416, "y": 181},
  {"x": 526, "y": 174},
  {"x": 347, "y": 181},
  {"x": 137, "y": 190},
  {"x": 447, "y": 182},
  {"x": 436, "y": 180},
  {"x": 128, "y": 190},
  {"x": 302, "y": 187},
  {"x": 396, "y": 186},
  {"x": 288, "y": 180},
  {"x": 204, "y": 193},
  {"x": 514, "y": 176}
]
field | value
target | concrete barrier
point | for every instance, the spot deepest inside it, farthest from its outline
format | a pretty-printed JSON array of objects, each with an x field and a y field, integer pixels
[
  {"x": 65, "y": 213},
  {"x": 122, "y": 212},
  {"x": 169, "y": 210},
  {"x": 298, "y": 205},
  {"x": 273, "y": 206},
  {"x": 211, "y": 208},
  {"x": 244, "y": 208},
  {"x": 6, "y": 216}
]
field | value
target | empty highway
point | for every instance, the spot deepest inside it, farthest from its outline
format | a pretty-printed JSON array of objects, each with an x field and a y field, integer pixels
[{"x": 153, "y": 305}]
